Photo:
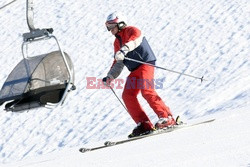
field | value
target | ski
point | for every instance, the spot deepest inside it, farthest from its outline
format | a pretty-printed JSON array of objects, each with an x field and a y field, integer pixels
[
  {"x": 154, "y": 133},
  {"x": 157, "y": 132}
]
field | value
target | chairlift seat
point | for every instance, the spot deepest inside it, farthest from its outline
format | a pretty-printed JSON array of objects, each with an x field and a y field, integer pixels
[{"x": 36, "y": 81}]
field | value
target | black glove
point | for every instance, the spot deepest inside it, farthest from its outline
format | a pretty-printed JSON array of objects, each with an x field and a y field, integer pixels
[{"x": 106, "y": 81}]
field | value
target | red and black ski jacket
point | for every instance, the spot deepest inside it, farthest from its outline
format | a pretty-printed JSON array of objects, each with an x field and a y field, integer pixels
[{"x": 142, "y": 52}]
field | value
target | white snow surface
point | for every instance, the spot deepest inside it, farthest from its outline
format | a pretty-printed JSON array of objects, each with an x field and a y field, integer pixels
[{"x": 197, "y": 37}]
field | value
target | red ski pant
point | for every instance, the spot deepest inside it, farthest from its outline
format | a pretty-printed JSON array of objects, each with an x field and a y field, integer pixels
[{"x": 141, "y": 80}]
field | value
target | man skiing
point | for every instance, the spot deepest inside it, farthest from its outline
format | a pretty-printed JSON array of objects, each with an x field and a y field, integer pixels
[{"x": 130, "y": 44}]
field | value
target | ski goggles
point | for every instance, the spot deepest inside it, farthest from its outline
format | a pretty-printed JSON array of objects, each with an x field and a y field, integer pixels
[{"x": 110, "y": 26}]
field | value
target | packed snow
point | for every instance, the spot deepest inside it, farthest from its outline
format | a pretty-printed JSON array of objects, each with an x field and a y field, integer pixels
[{"x": 197, "y": 37}]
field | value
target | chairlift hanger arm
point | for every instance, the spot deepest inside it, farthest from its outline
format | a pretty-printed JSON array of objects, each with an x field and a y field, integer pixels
[
  {"x": 37, "y": 34},
  {"x": 30, "y": 15},
  {"x": 34, "y": 32}
]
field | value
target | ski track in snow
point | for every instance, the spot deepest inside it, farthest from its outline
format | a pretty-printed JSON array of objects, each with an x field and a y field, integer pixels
[{"x": 198, "y": 37}]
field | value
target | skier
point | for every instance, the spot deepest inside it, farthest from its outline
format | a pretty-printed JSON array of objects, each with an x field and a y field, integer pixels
[{"x": 130, "y": 43}]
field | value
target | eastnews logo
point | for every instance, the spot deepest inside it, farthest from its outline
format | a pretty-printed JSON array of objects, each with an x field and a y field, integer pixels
[{"x": 132, "y": 83}]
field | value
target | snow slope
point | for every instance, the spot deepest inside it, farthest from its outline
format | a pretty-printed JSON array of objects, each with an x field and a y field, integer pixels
[
  {"x": 197, "y": 37},
  {"x": 213, "y": 144}
]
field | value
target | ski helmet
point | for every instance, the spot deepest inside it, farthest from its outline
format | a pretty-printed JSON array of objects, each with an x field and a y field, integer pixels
[{"x": 116, "y": 18}]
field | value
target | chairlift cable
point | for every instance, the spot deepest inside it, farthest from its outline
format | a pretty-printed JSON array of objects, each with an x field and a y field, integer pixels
[{"x": 7, "y": 4}]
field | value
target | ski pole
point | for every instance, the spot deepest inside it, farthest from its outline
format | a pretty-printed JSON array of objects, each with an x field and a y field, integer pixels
[
  {"x": 138, "y": 61},
  {"x": 118, "y": 98}
]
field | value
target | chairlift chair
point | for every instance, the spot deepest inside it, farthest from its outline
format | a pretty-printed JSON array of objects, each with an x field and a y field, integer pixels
[{"x": 38, "y": 81}]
